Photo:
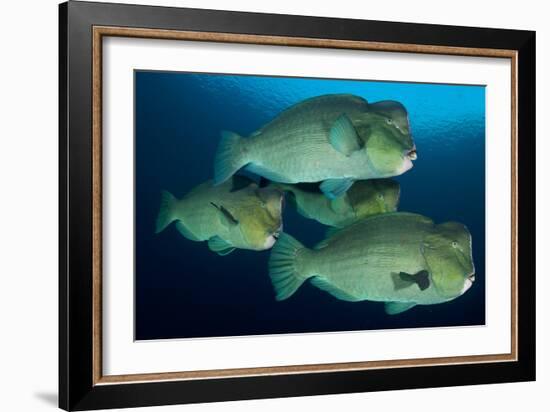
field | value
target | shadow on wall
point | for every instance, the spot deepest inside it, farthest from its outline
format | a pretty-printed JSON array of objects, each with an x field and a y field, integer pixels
[{"x": 49, "y": 398}]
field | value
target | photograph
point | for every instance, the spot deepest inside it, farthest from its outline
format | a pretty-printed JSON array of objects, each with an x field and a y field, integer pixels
[
  {"x": 258, "y": 205},
  {"x": 274, "y": 206},
  {"x": 284, "y": 205}
]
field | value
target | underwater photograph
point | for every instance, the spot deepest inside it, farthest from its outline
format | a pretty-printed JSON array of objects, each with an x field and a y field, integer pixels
[{"x": 278, "y": 205}]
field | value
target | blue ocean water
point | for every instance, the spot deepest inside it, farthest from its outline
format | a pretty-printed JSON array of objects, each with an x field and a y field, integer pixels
[{"x": 182, "y": 289}]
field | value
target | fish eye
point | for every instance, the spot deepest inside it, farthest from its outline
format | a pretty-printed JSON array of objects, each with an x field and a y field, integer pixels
[
  {"x": 380, "y": 196},
  {"x": 389, "y": 121},
  {"x": 454, "y": 244}
]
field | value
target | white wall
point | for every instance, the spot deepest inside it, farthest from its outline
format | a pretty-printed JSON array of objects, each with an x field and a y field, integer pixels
[{"x": 28, "y": 205}]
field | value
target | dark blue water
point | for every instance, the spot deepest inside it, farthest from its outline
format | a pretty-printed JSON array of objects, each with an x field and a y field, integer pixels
[{"x": 185, "y": 290}]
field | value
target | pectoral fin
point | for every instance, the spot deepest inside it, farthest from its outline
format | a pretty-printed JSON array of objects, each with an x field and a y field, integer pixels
[
  {"x": 343, "y": 136},
  {"x": 225, "y": 216},
  {"x": 404, "y": 280},
  {"x": 394, "y": 308},
  {"x": 220, "y": 246},
  {"x": 333, "y": 188},
  {"x": 340, "y": 205}
]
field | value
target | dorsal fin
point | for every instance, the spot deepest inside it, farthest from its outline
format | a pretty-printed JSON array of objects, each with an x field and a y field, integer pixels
[
  {"x": 343, "y": 101},
  {"x": 330, "y": 234},
  {"x": 199, "y": 188},
  {"x": 334, "y": 233}
]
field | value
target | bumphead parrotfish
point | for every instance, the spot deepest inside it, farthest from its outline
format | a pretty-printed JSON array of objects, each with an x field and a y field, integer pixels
[
  {"x": 333, "y": 139},
  {"x": 236, "y": 214},
  {"x": 402, "y": 259},
  {"x": 365, "y": 198}
]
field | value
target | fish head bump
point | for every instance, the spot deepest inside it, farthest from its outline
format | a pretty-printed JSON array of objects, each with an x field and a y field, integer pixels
[
  {"x": 372, "y": 197},
  {"x": 448, "y": 254},
  {"x": 263, "y": 221},
  {"x": 395, "y": 111},
  {"x": 390, "y": 149}
]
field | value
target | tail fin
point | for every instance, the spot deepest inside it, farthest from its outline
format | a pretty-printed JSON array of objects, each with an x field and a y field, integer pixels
[
  {"x": 166, "y": 212},
  {"x": 229, "y": 157},
  {"x": 282, "y": 267}
]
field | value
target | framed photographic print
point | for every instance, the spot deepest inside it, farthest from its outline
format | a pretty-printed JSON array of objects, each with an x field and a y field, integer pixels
[{"x": 257, "y": 205}]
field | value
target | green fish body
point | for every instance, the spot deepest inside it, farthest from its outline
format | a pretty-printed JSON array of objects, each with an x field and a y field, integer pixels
[
  {"x": 402, "y": 259},
  {"x": 226, "y": 216},
  {"x": 365, "y": 198},
  {"x": 333, "y": 139}
]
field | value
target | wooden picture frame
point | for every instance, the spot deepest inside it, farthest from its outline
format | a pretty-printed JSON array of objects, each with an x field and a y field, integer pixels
[{"x": 83, "y": 26}]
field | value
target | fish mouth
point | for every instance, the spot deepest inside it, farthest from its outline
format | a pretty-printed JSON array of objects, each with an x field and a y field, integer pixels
[
  {"x": 273, "y": 238},
  {"x": 405, "y": 166},
  {"x": 269, "y": 242},
  {"x": 277, "y": 233},
  {"x": 468, "y": 283},
  {"x": 408, "y": 157}
]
